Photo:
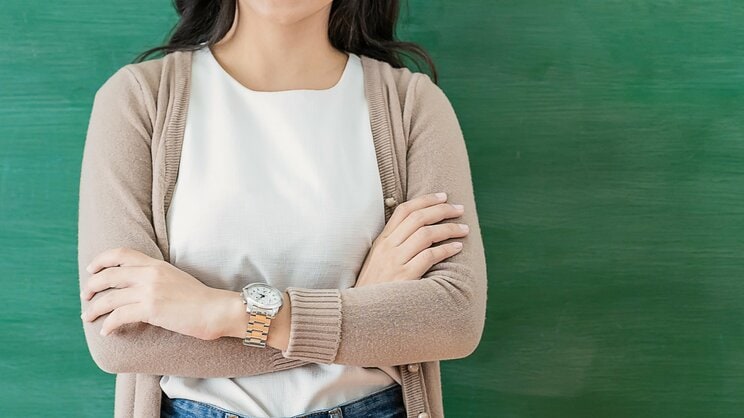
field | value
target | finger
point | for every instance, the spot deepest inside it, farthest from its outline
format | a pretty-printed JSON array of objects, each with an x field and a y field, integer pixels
[
  {"x": 118, "y": 277},
  {"x": 126, "y": 314},
  {"x": 111, "y": 301},
  {"x": 422, "y": 217},
  {"x": 427, "y": 235},
  {"x": 120, "y": 256},
  {"x": 430, "y": 256},
  {"x": 404, "y": 209}
]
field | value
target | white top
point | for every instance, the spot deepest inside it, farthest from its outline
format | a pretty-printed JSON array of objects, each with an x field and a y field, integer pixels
[{"x": 303, "y": 163}]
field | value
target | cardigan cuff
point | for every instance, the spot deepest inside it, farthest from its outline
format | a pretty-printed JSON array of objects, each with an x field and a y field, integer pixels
[
  {"x": 282, "y": 363},
  {"x": 315, "y": 329}
]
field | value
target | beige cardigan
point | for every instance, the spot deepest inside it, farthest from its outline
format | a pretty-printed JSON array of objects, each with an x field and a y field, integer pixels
[{"x": 129, "y": 168}]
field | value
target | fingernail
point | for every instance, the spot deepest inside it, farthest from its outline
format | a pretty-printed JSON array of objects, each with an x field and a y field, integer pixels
[
  {"x": 441, "y": 196},
  {"x": 457, "y": 244},
  {"x": 458, "y": 207},
  {"x": 464, "y": 227}
]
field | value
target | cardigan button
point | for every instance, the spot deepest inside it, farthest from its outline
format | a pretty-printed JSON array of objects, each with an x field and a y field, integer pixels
[
  {"x": 390, "y": 202},
  {"x": 423, "y": 415},
  {"x": 413, "y": 368}
]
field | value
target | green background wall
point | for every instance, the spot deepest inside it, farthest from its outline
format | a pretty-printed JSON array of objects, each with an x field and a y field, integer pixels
[{"x": 606, "y": 142}]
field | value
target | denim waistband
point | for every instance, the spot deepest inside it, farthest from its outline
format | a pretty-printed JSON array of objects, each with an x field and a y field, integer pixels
[{"x": 386, "y": 402}]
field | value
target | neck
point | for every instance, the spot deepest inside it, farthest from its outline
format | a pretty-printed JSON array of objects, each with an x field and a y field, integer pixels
[{"x": 267, "y": 55}]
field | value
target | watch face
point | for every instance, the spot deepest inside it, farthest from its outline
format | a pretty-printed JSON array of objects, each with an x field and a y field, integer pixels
[{"x": 264, "y": 295}]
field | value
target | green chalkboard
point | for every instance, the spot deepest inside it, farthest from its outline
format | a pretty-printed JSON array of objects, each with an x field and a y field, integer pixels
[{"x": 607, "y": 149}]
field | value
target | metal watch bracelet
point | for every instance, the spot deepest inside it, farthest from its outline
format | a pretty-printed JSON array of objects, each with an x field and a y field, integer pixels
[{"x": 257, "y": 331}]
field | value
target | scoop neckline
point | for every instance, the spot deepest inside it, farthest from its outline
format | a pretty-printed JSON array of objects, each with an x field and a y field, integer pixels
[{"x": 339, "y": 83}]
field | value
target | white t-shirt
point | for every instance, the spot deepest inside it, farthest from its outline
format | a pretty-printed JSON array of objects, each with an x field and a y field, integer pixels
[{"x": 303, "y": 163}]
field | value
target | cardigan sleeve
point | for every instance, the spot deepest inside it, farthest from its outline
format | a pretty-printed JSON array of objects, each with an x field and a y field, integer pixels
[
  {"x": 115, "y": 210},
  {"x": 440, "y": 316}
]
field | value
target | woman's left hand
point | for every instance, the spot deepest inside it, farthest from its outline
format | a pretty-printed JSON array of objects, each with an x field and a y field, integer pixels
[{"x": 154, "y": 291}]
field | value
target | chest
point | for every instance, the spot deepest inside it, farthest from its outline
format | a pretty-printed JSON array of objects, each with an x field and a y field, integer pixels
[
  {"x": 271, "y": 189},
  {"x": 387, "y": 140}
]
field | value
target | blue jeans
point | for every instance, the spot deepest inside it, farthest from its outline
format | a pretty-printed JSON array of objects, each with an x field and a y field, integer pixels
[{"x": 385, "y": 403}]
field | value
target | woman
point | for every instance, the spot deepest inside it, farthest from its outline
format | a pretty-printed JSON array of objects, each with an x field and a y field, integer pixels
[{"x": 241, "y": 246}]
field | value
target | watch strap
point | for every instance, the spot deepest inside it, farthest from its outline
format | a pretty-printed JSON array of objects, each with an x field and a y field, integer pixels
[{"x": 257, "y": 331}]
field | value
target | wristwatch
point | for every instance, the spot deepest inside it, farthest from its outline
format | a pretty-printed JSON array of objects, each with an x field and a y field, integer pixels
[{"x": 262, "y": 303}]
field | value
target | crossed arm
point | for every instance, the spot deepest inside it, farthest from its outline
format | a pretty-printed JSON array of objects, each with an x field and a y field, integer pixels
[
  {"x": 438, "y": 317},
  {"x": 115, "y": 201}
]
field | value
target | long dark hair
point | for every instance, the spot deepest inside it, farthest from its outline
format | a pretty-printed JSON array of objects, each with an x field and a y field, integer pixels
[{"x": 362, "y": 27}]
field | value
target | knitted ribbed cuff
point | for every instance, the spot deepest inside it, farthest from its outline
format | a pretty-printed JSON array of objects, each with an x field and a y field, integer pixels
[
  {"x": 315, "y": 329},
  {"x": 282, "y": 363}
]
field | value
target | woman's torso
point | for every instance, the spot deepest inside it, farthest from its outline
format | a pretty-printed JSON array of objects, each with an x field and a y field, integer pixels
[{"x": 303, "y": 162}]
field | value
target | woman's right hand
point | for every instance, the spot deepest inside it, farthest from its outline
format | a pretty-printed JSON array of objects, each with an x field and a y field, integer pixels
[{"x": 403, "y": 250}]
